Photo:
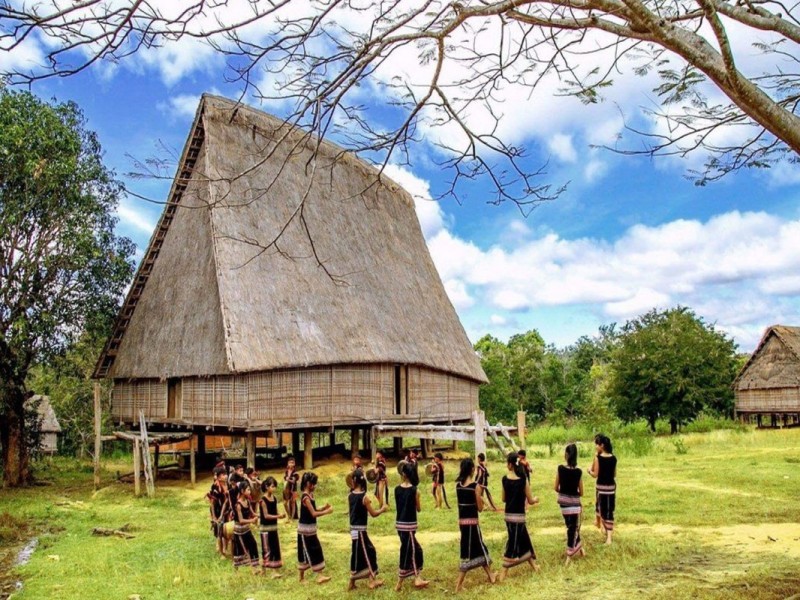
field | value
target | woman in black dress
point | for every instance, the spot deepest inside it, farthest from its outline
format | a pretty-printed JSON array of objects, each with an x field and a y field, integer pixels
[
  {"x": 570, "y": 489},
  {"x": 245, "y": 548},
  {"x": 516, "y": 493},
  {"x": 604, "y": 468},
  {"x": 482, "y": 479},
  {"x": 470, "y": 502},
  {"x": 363, "y": 558},
  {"x": 406, "y": 499},
  {"x": 309, "y": 550},
  {"x": 268, "y": 527}
]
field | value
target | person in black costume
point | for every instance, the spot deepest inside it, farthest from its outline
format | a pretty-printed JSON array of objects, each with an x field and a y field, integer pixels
[
  {"x": 569, "y": 487},
  {"x": 406, "y": 499},
  {"x": 268, "y": 527},
  {"x": 482, "y": 479},
  {"x": 474, "y": 553},
  {"x": 604, "y": 469},
  {"x": 363, "y": 558},
  {"x": 245, "y": 548},
  {"x": 517, "y": 494},
  {"x": 309, "y": 550}
]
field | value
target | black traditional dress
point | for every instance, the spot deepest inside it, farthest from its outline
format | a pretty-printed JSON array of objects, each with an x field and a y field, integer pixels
[
  {"x": 411, "y": 558},
  {"x": 290, "y": 478},
  {"x": 309, "y": 550},
  {"x": 569, "y": 500},
  {"x": 270, "y": 543},
  {"x": 473, "y": 551},
  {"x": 245, "y": 548},
  {"x": 220, "y": 508},
  {"x": 606, "y": 489},
  {"x": 519, "y": 547},
  {"x": 363, "y": 558}
]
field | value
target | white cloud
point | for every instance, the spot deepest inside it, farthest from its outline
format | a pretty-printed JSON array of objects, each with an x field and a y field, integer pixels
[
  {"x": 134, "y": 218},
  {"x": 498, "y": 320},
  {"x": 561, "y": 145},
  {"x": 594, "y": 170}
]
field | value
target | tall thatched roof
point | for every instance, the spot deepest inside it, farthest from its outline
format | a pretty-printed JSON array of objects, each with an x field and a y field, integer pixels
[
  {"x": 775, "y": 363},
  {"x": 214, "y": 297},
  {"x": 50, "y": 422}
]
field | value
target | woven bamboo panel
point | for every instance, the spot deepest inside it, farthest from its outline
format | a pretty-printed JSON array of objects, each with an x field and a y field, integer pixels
[
  {"x": 427, "y": 392},
  {"x": 198, "y": 400},
  {"x": 462, "y": 397},
  {"x": 365, "y": 391},
  {"x": 129, "y": 397},
  {"x": 768, "y": 400},
  {"x": 259, "y": 393},
  {"x": 286, "y": 396},
  {"x": 122, "y": 401},
  {"x": 315, "y": 393}
]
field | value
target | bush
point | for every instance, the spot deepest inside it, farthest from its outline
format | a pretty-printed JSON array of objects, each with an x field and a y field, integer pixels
[
  {"x": 680, "y": 447},
  {"x": 706, "y": 423}
]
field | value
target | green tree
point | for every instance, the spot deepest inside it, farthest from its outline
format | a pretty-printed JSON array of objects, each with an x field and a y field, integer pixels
[
  {"x": 526, "y": 358},
  {"x": 495, "y": 398},
  {"x": 62, "y": 268},
  {"x": 671, "y": 365}
]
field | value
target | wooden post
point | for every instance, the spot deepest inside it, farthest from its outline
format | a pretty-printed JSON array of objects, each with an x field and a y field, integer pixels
[
  {"x": 250, "y": 449},
  {"x": 366, "y": 437},
  {"x": 398, "y": 446},
  {"x": 354, "y": 441},
  {"x": 425, "y": 444},
  {"x": 193, "y": 459},
  {"x": 201, "y": 444},
  {"x": 332, "y": 438},
  {"x": 479, "y": 420},
  {"x": 296, "y": 444},
  {"x": 137, "y": 467},
  {"x": 373, "y": 445},
  {"x": 308, "y": 447},
  {"x": 156, "y": 456},
  {"x": 521, "y": 428},
  {"x": 98, "y": 447}
]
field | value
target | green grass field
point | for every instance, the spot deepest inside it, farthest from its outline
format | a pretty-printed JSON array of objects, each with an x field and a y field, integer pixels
[{"x": 715, "y": 515}]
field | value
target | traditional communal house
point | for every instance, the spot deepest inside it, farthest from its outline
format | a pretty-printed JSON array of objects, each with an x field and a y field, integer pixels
[
  {"x": 286, "y": 288},
  {"x": 769, "y": 383}
]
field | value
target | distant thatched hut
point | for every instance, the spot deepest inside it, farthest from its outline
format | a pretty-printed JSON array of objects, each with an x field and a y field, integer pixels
[
  {"x": 770, "y": 381},
  {"x": 50, "y": 427},
  {"x": 233, "y": 325}
]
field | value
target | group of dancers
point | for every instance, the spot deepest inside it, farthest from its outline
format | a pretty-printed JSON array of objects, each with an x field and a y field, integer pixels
[{"x": 242, "y": 503}]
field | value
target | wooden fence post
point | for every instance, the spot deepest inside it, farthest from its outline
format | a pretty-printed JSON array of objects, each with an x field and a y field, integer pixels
[
  {"x": 479, "y": 420},
  {"x": 193, "y": 459},
  {"x": 137, "y": 467},
  {"x": 354, "y": 441},
  {"x": 98, "y": 446},
  {"x": 521, "y": 428},
  {"x": 250, "y": 449}
]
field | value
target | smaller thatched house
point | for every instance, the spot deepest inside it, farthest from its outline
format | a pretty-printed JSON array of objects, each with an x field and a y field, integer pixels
[
  {"x": 50, "y": 425},
  {"x": 769, "y": 383}
]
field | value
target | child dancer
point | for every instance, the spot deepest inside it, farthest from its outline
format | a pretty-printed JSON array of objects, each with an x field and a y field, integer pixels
[
  {"x": 604, "y": 468},
  {"x": 473, "y": 551},
  {"x": 382, "y": 483},
  {"x": 245, "y": 548},
  {"x": 219, "y": 500},
  {"x": 482, "y": 479},
  {"x": 406, "y": 499},
  {"x": 570, "y": 489},
  {"x": 309, "y": 550},
  {"x": 268, "y": 527},
  {"x": 290, "y": 478},
  {"x": 516, "y": 493},
  {"x": 363, "y": 559},
  {"x": 438, "y": 480}
]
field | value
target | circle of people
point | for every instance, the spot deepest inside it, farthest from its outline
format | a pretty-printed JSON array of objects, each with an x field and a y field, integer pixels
[{"x": 241, "y": 504}]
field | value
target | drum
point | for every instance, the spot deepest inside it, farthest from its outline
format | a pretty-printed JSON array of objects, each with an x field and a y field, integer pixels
[
  {"x": 372, "y": 475},
  {"x": 348, "y": 479},
  {"x": 227, "y": 530},
  {"x": 429, "y": 468},
  {"x": 400, "y": 466}
]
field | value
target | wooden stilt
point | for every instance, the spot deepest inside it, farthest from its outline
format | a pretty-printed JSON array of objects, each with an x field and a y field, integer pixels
[
  {"x": 156, "y": 456},
  {"x": 201, "y": 444},
  {"x": 296, "y": 444},
  {"x": 308, "y": 446},
  {"x": 354, "y": 440},
  {"x": 398, "y": 445},
  {"x": 137, "y": 468},
  {"x": 250, "y": 449},
  {"x": 373, "y": 445},
  {"x": 193, "y": 459},
  {"x": 332, "y": 438},
  {"x": 98, "y": 447}
]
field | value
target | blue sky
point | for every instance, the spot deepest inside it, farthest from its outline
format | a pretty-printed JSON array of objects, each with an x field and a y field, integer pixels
[{"x": 629, "y": 234}]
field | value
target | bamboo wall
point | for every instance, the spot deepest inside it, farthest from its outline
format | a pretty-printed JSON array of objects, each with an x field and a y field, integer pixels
[
  {"x": 776, "y": 400},
  {"x": 319, "y": 396}
]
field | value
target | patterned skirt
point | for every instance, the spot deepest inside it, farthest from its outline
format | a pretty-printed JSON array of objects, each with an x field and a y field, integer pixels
[
  {"x": 245, "y": 548},
  {"x": 605, "y": 505},
  {"x": 571, "y": 509},
  {"x": 473, "y": 550},
  {"x": 270, "y": 548},
  {"x": 363, "y": 558},
  {"x": 519, "y": 548},
  {"x": 411, "y": 558},
  {"x": 309, "y": 550}
]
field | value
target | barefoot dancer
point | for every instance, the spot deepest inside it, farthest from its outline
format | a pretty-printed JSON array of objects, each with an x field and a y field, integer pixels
[
  {"x": 245, "y": 548},
  {"x": 268, "y": 527},
  {"x": 604, "y": 468},
  {"x": 473, "y": 551},
  {"x": 363, "y": 559},
  {"x": 482, "y": 479},
  {"x": 516, "y": 494},
  {"x": 382, "y": 483},
  {"x": 290, "y": 478},
  {"x": 438, "y": 480},
  {"x": 570, "y": 489},
  {"x": 221, "y": 509},
  {"x": 406, "y": 499},
  {"x": 309, "y": 550}
]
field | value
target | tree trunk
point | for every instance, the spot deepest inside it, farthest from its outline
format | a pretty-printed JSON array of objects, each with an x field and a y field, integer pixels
[
  {"x": 673, "y": 426},
  {"x": 16, "y": 466},
  {"x": 652, "y": 423}
]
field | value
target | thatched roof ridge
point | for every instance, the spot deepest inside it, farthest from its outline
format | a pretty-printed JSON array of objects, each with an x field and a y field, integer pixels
[
  {"x": 788, "y": 335},
  {"x": 50, "y": 422},
  {"x": 376, "y": 299}
]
